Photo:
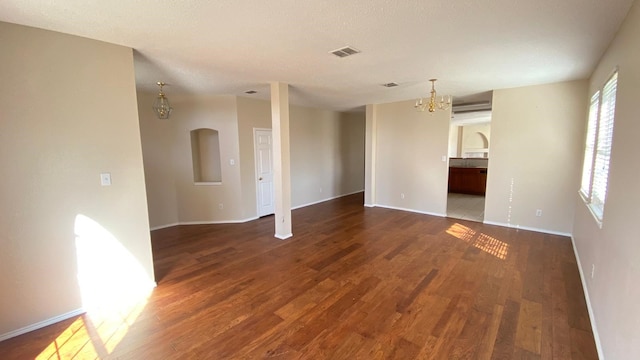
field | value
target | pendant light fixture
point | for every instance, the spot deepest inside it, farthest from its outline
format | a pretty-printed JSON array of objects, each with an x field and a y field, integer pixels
[
  {"x": 161, "y": 105},
  {"x": 434, "y": 104}
]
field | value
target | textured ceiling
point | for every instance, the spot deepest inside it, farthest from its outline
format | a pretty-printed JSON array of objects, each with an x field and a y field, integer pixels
[{"x": 230, "y": 46}]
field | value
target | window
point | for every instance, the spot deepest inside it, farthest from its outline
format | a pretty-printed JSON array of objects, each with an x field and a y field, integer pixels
[{"x": 597, "y": 153}]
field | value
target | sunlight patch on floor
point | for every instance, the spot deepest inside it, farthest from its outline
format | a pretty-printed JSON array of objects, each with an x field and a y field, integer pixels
[
  {"x": 92, "y": 336},
  {"x": 461, "y": 232},
  {"x": 484, "y": 242},
  {"x": 73, "y": 343}
]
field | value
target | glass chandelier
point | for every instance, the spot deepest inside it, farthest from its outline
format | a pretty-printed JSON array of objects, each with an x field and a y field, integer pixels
[
  {"x": 161, "y": 105},
  {"x": 434, "y": 104}
]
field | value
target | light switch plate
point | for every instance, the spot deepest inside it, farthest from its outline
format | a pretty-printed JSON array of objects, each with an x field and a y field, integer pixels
[{"x": 105, "y": 179}]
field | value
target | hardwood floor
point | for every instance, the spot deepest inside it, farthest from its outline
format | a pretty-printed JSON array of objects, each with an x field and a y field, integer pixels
[{"x": 353, "y": 283}]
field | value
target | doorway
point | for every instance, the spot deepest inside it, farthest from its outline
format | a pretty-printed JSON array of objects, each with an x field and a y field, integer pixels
[
  {"x": 469, "y": 140},
  {"x": 263, "y": 147}
]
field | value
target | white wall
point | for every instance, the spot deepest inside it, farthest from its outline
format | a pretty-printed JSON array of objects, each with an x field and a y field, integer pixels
[
  {"x": 56, "y": 137},
  {"x": 536, "y": 151},
  {"x": 614, "y": 250},
  {"x": 408, "y": 157}
]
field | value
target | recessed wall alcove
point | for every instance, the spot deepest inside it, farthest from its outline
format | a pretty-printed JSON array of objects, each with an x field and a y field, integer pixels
[{"x": 205, "y": 153}]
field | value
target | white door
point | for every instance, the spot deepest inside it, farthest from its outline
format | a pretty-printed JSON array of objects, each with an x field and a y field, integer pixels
[{"x": 264, "y": 171}]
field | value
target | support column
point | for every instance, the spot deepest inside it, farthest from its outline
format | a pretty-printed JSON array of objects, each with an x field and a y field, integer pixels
[
  {"x": 370, "y": 156},
  {"x": 281, "y": 158}
]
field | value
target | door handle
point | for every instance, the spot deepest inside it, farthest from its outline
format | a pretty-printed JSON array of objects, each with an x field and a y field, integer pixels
[{"x": 260, "y": 178}]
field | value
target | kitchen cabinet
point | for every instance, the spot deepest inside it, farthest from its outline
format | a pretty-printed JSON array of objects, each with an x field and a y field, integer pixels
[{"x": 467, "y": 180}]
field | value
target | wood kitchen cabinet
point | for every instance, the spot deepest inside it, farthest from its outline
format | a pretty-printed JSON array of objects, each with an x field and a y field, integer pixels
[{"x": 464, "y": 180}]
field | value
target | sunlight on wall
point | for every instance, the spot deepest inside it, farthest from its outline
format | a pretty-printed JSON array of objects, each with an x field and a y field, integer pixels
[
  {"x": 484, "y": 242},
  {"x": 114, "y": 288},
  {"x": 110, "y": 277}
]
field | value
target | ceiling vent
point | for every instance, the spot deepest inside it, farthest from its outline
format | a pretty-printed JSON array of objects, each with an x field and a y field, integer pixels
[
  {"x": 391, "y": 84},
  {"x": 345, "y": 51},
  {"x": 250, "y": 92}
]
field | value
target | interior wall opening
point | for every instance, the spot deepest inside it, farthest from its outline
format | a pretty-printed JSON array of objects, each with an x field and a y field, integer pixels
[{"x": 469, "y": 142}]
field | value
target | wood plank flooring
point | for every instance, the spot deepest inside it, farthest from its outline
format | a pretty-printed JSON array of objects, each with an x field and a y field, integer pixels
[{"x": 353, "y": 283}]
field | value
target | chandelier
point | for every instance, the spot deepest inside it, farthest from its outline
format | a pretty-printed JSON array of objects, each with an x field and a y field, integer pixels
[
  {"x": 161, "y": 105},
  {"x": 434, "y": 104}
]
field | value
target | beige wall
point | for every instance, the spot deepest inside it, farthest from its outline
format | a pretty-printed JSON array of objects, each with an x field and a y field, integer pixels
[
  {"x": 473, "y": 142},
  {"x": 159, "y": 164},
  {"x": 173, "y": 195},
  {"x": 327, "y": 150},
  {"x": 351, "y": 158},
  {"x": 56, "y": 137},
  {"x": 408, "y": 159},
  {"x": 251, "y": 114},
  {"x": 327, "y": 154},
  {"x": 371, "y": 149},
  {"x": 454, "y": 140},
  {"x": 536, "y": 147},
  {"x": 201, "y": 203},
  {"x": 614, "y": 250}
]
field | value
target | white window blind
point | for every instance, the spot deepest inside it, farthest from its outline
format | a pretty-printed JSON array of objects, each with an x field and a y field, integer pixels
[
  {"x": 595, "y": 173},
  {"x": 592, "y": 127}
]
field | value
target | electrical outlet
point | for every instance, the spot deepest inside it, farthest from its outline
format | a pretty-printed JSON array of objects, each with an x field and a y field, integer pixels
[
  {"x": 220, "y": 206},
  {"x": 538, "y": 212},
  {"x": 402, "y": 196},
  {"x": 105, "y": 179},
  {"x": 593, "y": 270},
  {"x": 320, "y": 190}
]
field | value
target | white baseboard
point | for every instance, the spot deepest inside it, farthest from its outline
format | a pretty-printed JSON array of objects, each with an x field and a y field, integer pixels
[
  {"x": 369, "y": 205},
  {"x": 203, "y": 223},
  {"x": 408, "y": 210},
  {"x": 41, "y": 324},
  {"x": 544, "y": 231},
  {"x": 244, "y": 220},
  {"x": 217, "y": 222},
  {"x": 594, "y": 328},
  {"x": 164, "y": 226},
  {"x": 324, "y": 200},
  {"x": 283, "y": 237}
]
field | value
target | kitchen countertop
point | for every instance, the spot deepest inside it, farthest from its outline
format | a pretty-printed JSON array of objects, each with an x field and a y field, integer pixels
[{"x": 468, "y": 167}]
